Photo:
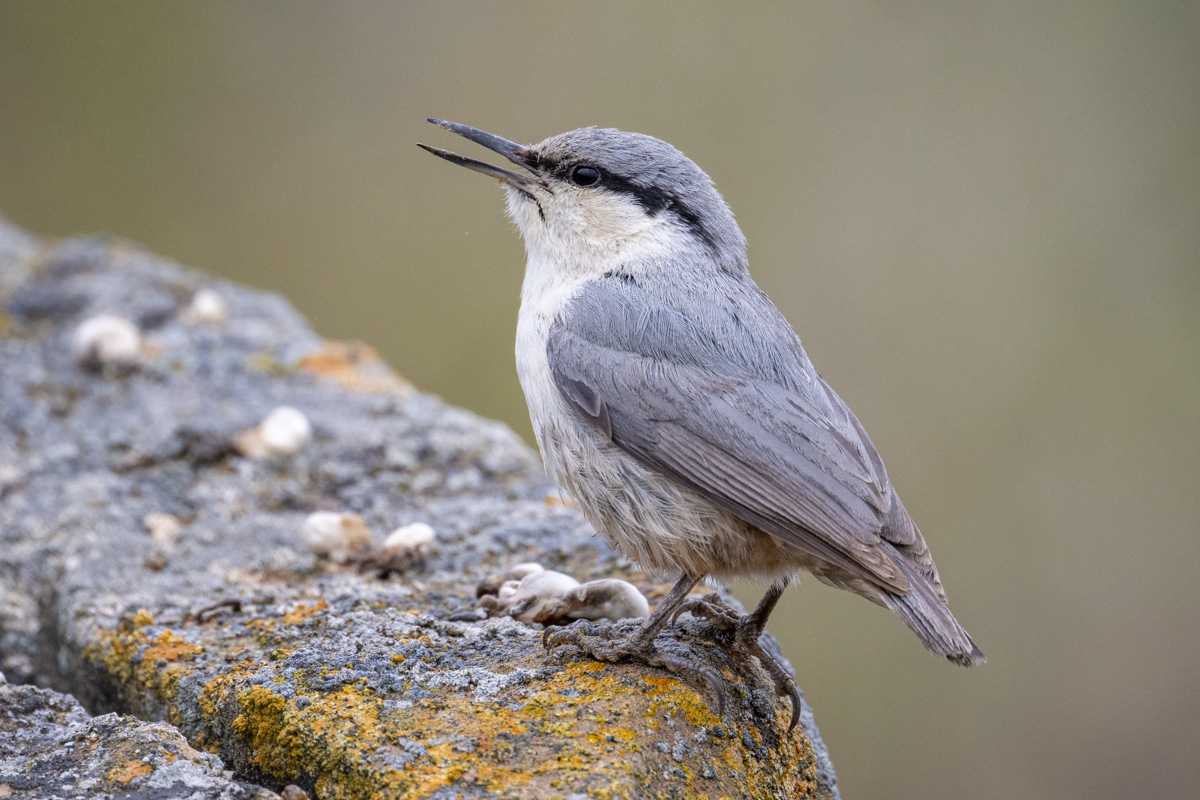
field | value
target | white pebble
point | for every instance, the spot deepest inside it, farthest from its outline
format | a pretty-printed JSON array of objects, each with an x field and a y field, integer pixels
[
  {"x": 537, "y": 594},
  {"x": 609, "y": 598},
  {"x": 283, "y": 432},
  {"x": 163, "y": 527},
  {"x": 492, "y": 583},
  {"x": 337, "y": 537},
  {"x": 411, "y": 538},
  {"x": 106, "y": 340},
  {"x": 207, "y": 307}
]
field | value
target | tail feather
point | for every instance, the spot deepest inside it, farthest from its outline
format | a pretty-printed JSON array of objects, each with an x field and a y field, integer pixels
[{"x": 926, "y": 613}]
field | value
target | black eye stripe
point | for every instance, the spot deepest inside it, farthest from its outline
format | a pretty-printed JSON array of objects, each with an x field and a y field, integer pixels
[{"x": 653, "y": 200}]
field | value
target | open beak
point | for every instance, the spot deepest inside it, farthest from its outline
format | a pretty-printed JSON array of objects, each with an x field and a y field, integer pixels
[{"x": 516, "y": 153}]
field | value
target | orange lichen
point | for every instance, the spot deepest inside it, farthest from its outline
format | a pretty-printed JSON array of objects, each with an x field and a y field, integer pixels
[
  {"x": 356, "y": 366},
  {"x": 124, "y": 773},
  {"x": 670, "y": 694},
  {"x": 147, "y": 671},
  {"x": 259, "y": 725},
  {"x": 303, "y": 612},
  {"x": 170, "y": 647}
]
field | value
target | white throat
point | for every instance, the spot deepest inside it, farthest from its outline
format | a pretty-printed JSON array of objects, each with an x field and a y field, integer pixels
[{"x": 576, "y": 243}]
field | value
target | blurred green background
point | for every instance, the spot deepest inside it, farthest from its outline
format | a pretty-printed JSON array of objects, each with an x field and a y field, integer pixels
[{"x": 983, "y": 219}]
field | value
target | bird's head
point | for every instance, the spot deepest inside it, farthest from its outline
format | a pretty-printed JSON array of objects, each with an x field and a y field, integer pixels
[{"x": 602, "y": 195}]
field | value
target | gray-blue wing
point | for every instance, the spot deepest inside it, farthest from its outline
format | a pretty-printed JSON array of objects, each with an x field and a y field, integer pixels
[{"x": 784, "y": 455}]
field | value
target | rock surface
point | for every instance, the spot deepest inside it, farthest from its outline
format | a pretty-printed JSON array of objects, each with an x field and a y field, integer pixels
[
  {"x": 51, "y": 748},
  {"x": 347, "y": 681}
]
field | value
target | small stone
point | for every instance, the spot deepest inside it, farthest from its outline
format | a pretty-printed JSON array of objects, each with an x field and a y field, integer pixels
[
  {"x": 538, "y": 598},
  {"x": 106, "y": 340},
  {"x": 207, "y": 308},
  {"x": 293, "y": 792},
  {"x": 492, "y": 583},
  {"x": 414, "y": 538},
  {"x": 337, "y": 537},
  {"x": 283, "y": 432},
  {"x": 609, "y": 598},
  {"x": 163, "y": 527}
]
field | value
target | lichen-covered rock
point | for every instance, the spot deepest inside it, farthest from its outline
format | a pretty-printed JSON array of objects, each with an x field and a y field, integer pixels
[
  {"x": 348, "y": 680},
  {"x": 52, "y": 749}
]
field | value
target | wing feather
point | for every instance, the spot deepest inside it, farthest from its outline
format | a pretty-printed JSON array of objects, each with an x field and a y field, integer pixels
[{"x": 797, "y": 468}]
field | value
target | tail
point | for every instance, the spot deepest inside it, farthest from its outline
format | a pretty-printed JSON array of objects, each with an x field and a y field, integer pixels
[{"x": 926, "y": 613}]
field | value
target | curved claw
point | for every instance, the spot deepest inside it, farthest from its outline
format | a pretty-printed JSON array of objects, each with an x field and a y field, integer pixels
[
  {"x": 550, "y": 629},
  {"x": 560, "y": 636},
  {"x": 794, "y": 696},
  {"x": 684, "y": 607},
  {"x": 784, "y": 685},
  {"x": 711, "y": 607},
  {"x": 718, "y": 686}
]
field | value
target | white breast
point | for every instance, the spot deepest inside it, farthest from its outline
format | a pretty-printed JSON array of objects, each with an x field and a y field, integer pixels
[{"x": 544, "y": 294}]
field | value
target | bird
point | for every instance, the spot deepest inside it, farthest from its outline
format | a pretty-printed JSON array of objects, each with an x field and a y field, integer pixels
[{"x": 674, "y": 402}]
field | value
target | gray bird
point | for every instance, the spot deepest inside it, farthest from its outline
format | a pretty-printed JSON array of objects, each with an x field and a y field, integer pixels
[{"x": 671, "y": 399}]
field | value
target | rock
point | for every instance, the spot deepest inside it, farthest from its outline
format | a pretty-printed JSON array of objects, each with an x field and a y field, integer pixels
[
  {"x": 417, "y": 536},
  {"x": 52, "y": 749},
  {"x": 495, "y": 583},
  {"x": 107, "y": 341},
  {"x": 207, "y": 308},
  {"x": 283, "y": 432},
  {"x": 338, "y": 537},
  {"x": 293, "y": 669},
  {"x": 534, "y": 599},
  {"x": 607, "y": 598}
]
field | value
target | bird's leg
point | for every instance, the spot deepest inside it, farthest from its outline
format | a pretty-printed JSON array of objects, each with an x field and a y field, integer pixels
[
  {"x": 747, "y": 630},
  {"x": 604, "y": 644},
  {"x": 663, "y": 611}
]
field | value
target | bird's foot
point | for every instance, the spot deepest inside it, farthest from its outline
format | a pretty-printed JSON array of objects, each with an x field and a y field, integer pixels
[
  {"x": 747, "y": 632},
  {"x": 714, "y": 608},
  {"x": 615, "y": 643}
]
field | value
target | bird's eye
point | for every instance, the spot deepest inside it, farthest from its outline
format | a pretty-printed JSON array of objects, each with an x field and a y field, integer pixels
[{"x": 585, "y": 176}]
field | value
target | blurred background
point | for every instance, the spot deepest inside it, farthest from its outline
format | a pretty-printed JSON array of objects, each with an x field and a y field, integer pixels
[{"x": 983, "y": 219}]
